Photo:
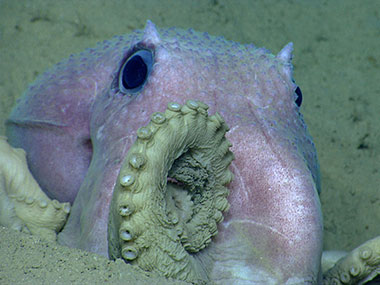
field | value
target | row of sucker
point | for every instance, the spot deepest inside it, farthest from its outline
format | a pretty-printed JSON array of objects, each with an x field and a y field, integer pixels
[
  {"x": 41, "y": 203},
  {"x": 23, "y": 204},
  {"x": 361, "y": 266},
  {"x": 40, "y": 216},
  {"x": 171, "y": 192}
]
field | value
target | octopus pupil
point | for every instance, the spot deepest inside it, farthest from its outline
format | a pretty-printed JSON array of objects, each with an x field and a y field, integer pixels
[{"x": 134, "y": 73}]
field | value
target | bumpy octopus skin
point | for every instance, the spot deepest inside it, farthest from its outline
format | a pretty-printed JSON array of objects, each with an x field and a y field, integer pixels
[{"x": 80, "y": 119}]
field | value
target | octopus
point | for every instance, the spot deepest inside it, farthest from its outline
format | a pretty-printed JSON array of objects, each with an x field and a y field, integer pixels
[{"x": 180, "y": 153}]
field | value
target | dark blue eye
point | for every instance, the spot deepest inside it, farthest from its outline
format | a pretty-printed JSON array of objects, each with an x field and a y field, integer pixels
[
  {"x": 299, "y": 96},
  {"x": 135, "y": 71}
]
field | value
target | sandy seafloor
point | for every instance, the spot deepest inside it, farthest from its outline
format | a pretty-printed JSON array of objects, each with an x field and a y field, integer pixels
[{"x": 337, "y": 66}]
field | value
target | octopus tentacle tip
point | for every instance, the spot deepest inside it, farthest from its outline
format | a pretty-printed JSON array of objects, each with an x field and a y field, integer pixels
[
  {"x": 358, "y": 267},
  {"x": 25, "y": 206},
  {"x": 180, "y": 187}
]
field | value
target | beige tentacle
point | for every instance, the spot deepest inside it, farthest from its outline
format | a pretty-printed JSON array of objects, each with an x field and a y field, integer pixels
[
  {"x": 358, "y": 267},
  {"x": 171, "y": 192},
  {"x": 23, "y": 205}
]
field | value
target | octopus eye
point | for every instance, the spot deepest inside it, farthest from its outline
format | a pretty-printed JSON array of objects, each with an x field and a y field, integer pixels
[
  {"x": 299, "y": 96},
  {"x": 135, "y": 71}
]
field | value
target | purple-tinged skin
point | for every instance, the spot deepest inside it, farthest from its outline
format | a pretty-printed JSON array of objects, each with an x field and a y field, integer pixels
[{"x": 77, "y": 126}]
